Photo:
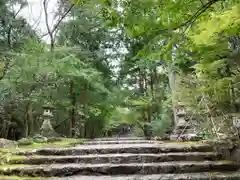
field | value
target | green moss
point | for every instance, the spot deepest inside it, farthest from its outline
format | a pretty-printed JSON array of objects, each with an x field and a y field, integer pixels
[
  {"x": 12, "y": 159},
  {"x": 16, "y": 159},
  {"x": 64, "y": 142},
  {"x": 54, "y": 139},
  {"x": 9, "y": 166},
  {"x": 19, "y": 178},
  {"x": 7, "y": 155},
  {"x": 9, "y": 160}
]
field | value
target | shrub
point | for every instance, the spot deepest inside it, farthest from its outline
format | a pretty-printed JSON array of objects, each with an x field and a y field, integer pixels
[{"x": 161, "y": 124}]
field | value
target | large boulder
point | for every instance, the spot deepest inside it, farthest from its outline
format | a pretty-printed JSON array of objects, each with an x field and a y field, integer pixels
[{"x": 5, "y": 143}]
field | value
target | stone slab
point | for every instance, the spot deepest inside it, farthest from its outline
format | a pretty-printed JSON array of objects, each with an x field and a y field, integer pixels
[
  {"x": 122, "y": 142},
  {"x": 187, "y": 176},
  {"x": 120, "y": 158},
  {"x": 118, "y": 138},
  {"x": 123, "y": 148},
  {"x": 120, "y": 169},
  {"x": 184, "y": 176}
]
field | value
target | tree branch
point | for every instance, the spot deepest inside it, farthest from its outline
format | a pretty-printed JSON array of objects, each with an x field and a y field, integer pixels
[
  {"x": 193, "y": 18},
  {"x": 197, "y": 14},
  {"x": 11, "y": 27},
  {"x": 6, "y": 67},
  {"x": 61, "y": 19},
  {"x": 202, "y": 2},
  {"x": 58, "y": 22},
  {"x": 50, "y": 33},
  {"x": 185, "y": 24}
]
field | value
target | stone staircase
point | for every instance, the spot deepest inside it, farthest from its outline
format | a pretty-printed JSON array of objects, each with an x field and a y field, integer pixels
[{"x": 127, "y": 158}]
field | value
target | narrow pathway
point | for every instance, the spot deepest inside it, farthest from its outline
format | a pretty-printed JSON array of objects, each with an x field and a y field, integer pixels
[{"x": 128, "y": 159}]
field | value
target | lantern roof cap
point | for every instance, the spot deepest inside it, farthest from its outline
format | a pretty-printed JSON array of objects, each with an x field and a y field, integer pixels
[
  {"x": 48, "y": 106},
  {"x": 180, "y": 104}
]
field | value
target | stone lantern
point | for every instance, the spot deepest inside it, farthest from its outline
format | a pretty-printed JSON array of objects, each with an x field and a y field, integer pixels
[
  {"x": 236, "y": 124},
  {"x": 181, "y": 114},
  {"x": 183, "y": 129},
  {"x": 46, "y": 128}
]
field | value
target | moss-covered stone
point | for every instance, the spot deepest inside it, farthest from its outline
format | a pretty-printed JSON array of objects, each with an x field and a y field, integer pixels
[
  {"x": 54, "y": 139},
  {"x": 63, "y": 142},
  {"x": 117, "y": 158},
  {"x": 25, "y": 141},
  {"x": 119, "y": 169},
  {"x": 182, "y": 176},
  {"x": 19, "y": 178},
  {"x": 40, "y": 140},
  {"x": 5, "y": 143},
  {"x": 9, "y": 155},
  {"x": 11, "y": 159}
]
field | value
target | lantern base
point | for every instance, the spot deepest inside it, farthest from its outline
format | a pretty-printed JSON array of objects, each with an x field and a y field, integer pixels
[
  {"x": 47, "y": 129},
  {"x": 184, "y": 131}
]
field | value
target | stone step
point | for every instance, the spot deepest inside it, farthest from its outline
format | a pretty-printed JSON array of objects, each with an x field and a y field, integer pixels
[
  {"x": 119, "y": 158},
  {"x": 118, "y": 138},
  {"x": 119, "y": 169},
  {"x": 183, "y": 176},
  {"x": 122, "y": 148},
  {"x": 122, "y": 142}
]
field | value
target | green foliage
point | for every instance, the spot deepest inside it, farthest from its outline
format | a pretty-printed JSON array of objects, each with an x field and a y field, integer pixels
[
  {"x": 228, "y": 24},
  {"x": 121, "y": 116},
  {"x": 112, "y": 66},
  {"x": 161, "y": 123},
  {"x": 36, "y": 76}
]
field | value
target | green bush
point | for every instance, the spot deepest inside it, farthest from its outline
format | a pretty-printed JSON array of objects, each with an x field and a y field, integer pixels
[
  {"x": 161, "y": 124},
  {"x": 137, "y": 131}
]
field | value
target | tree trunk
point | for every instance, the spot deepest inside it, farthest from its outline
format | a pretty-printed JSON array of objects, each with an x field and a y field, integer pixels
[
  {"x": 30, "y": 120},
  {"x": 145, "y": 82},
  {"x": 72, "y": 109},
  {"x": 26, "y": 118},
  {"x": 83, "y": 99},
  {"x": 152, "y": 84},
  {"x": 172, "y": 84},
  {"x": 141, "y": 84},
  {"x": 232, "y": 91}
]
